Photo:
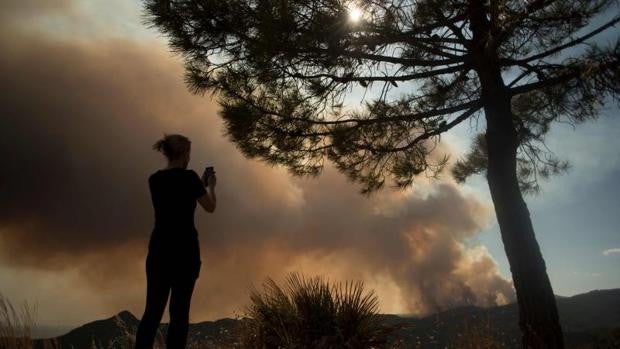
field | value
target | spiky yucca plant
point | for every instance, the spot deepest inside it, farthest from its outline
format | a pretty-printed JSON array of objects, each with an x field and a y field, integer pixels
[{"x": 313, "y": 313}]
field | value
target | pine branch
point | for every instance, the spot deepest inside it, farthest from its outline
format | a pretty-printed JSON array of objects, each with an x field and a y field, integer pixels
[
  {"x": 572, "y": 73},
  {"x": 366, "y": 79},
  {"x": 428, "y": 134},
  {"x": 358, "y": 121},
  {"x": 390, "y": 59},
  {"x": 557, "y": 49}
]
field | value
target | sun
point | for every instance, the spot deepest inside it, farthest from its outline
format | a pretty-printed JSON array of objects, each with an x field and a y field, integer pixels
[{"x": 355, "y": 13}]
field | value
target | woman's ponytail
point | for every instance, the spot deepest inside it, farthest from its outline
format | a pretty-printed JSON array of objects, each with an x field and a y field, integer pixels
[
  {"x": 159, "y": 145},
  {"x": 172, "y": 145}
]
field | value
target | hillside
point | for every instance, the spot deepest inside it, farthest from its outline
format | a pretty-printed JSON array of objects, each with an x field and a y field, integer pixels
[{"x": 588, "y": 318}]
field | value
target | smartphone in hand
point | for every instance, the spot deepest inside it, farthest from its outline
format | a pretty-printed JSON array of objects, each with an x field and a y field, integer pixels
[{"x": 209, "y": 171}]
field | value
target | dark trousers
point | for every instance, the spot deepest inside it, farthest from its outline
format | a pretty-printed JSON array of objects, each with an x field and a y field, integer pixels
[{"x": 163, "y": 280}]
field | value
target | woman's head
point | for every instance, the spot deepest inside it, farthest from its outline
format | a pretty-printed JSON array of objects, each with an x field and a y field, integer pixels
[{"x": 175, "y": 147}]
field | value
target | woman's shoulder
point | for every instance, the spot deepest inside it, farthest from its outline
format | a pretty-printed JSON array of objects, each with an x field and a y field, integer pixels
[
  {"x": 153, "y": 175},
  {"x": 169, "y": 172}
]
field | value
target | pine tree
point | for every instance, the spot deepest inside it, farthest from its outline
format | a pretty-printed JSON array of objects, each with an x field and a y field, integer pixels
[{"x": 282, "y": 70}]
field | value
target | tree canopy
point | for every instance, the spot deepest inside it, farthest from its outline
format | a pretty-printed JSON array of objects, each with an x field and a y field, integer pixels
[{"x": 282, "y": 70}]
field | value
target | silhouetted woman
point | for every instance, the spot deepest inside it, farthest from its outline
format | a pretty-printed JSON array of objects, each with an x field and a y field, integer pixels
[{"x": 173, "y": 260}]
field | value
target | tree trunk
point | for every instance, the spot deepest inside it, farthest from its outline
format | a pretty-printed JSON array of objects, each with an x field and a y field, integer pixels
[{"x": 538, "y": 315}]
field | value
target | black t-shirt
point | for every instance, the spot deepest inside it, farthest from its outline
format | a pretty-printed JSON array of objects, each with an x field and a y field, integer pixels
[{"x": 174, "y": 192}]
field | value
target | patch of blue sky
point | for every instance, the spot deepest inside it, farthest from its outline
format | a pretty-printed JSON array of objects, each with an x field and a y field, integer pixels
[{"x": 576, "y": 216}]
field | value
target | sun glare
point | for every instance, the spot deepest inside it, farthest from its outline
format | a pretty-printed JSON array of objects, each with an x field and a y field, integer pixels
[{"x": 355, "y": 13}]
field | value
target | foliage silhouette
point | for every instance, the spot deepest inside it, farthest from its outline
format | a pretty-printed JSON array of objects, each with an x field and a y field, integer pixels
[
  {"x": 16, "y": 326},
  {"x": 282, "y": 70},
  {"x": 313, "y": 313}
]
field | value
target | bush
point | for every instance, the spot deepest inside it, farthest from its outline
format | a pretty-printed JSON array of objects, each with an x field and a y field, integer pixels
[{"x": 312, "y": 313}]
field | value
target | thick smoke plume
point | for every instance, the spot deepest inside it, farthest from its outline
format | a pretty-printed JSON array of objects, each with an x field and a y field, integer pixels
[{"x": 78, "y": 122}]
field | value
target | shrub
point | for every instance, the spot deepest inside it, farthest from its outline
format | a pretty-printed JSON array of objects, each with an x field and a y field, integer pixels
[
  {"x": 312, "y": 313},
  {"x": 478, "y": 334}
]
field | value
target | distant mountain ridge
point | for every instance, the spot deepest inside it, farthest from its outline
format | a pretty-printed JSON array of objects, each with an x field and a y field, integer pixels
[{"x": 592, "y": 317}]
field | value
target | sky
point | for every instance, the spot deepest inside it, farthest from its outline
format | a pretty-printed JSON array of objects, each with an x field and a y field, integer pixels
[{"x": 87, "y": 89}]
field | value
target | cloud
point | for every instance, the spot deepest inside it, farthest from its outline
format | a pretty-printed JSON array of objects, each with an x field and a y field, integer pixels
[
  {"x": 611, "y": 251},
  {"x": 79, "y": 119}
]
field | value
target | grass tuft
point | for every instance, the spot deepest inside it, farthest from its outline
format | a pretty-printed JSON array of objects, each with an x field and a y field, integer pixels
[{"x": 16, "y": 327}]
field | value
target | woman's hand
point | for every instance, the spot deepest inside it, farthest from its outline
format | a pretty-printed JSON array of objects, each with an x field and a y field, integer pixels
[
  {"x": 211, "y": 181},
  {"x": 207, "y": 179},
  {"x": 208, "y": 200}
]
